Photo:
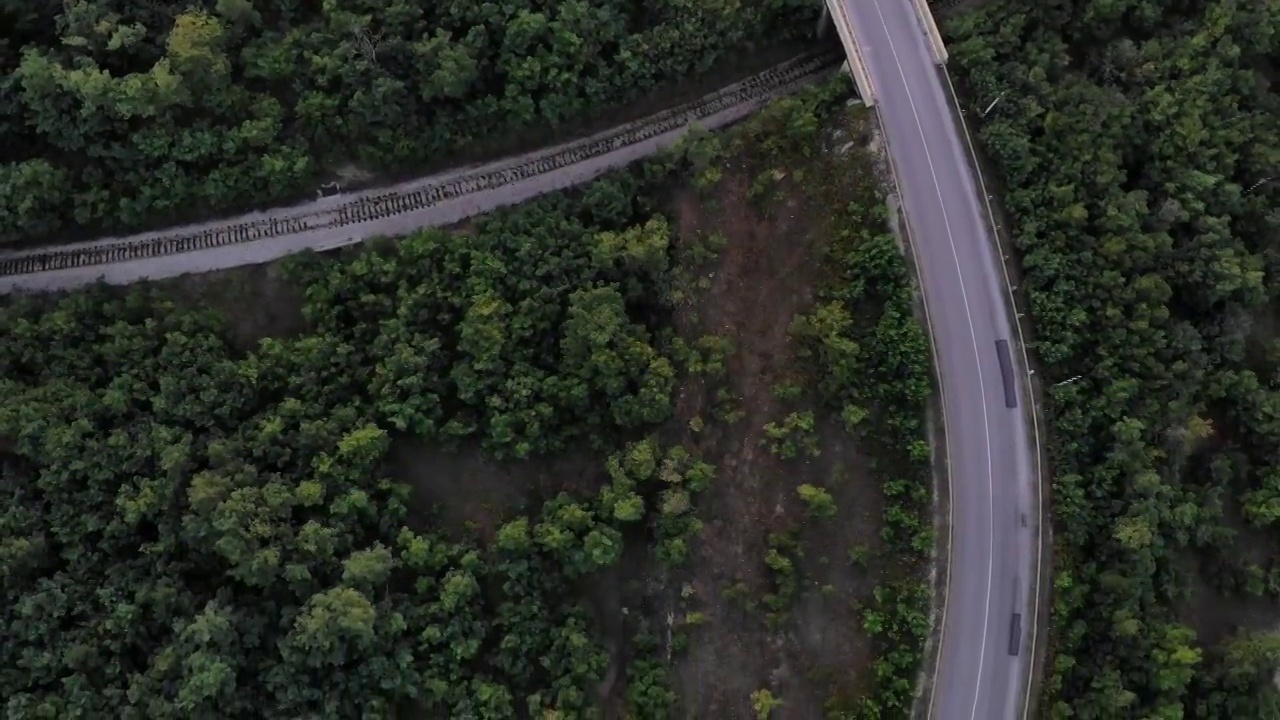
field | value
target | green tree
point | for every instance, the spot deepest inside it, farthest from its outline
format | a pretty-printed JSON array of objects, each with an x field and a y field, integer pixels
[{"x": 817, "y": 501}]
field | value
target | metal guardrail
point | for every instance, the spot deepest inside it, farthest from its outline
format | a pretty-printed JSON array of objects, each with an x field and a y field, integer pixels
[
  {"x": 931, "y": 31},
  {"x": 854, "y": 56}
]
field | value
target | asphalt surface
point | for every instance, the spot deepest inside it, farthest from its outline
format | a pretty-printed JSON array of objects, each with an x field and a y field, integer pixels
[{"x": 994, "y": 515}]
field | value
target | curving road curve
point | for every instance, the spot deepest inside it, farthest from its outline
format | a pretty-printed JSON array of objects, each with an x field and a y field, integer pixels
[{"x": 984, "y": 659}]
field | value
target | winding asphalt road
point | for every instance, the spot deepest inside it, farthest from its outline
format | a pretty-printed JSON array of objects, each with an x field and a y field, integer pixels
[{"x": 984, "y": 660}]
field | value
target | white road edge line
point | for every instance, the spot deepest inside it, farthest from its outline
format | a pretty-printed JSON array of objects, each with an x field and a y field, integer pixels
[
  {"x": 986, "y": 426},
  {"x": 1031, "y": 397},
  {"x": 909, "y": 248}
]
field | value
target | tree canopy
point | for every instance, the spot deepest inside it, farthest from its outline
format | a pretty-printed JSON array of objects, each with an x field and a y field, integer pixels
[{"x": 191, "y": 530}]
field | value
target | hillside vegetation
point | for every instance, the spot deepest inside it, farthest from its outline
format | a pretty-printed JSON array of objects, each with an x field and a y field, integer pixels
[
  {"x": 117, "y": 114},
  {"x": 1131, "y": 141},
  {"x": 572, "y": 460}
]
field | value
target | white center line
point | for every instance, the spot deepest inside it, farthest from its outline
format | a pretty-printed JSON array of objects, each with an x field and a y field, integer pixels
[{"x": 986, "y": 616}]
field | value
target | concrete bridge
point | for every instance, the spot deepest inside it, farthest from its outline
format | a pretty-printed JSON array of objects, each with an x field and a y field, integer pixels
[
  {"x": 836, "y": 12},
  {"x": 992, "y": 538}
]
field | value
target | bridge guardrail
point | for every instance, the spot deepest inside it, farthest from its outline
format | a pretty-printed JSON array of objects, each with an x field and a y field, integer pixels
[
  {"x": 931, "y": 30},
  {"x": 856, "y": 65}
]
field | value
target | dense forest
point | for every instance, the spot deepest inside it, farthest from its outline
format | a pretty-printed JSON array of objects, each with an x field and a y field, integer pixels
[
  {"x": 120, "y": 114},
  {"x": 1133, "y": 141},
  {"x": 196, "y": 526},
  {"x": 192, "y": 531}
]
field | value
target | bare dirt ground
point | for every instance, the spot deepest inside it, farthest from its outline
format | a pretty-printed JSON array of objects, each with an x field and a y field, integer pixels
[
  {"x": 1218, "y": 613},
  {"x": 1216, "y": 616},
  {"x": 1215, "y": 609},
  {"x": 469, "y": 492},
  {"x": 763, "y": 278},
  {"x": 255, "y": 299}
]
